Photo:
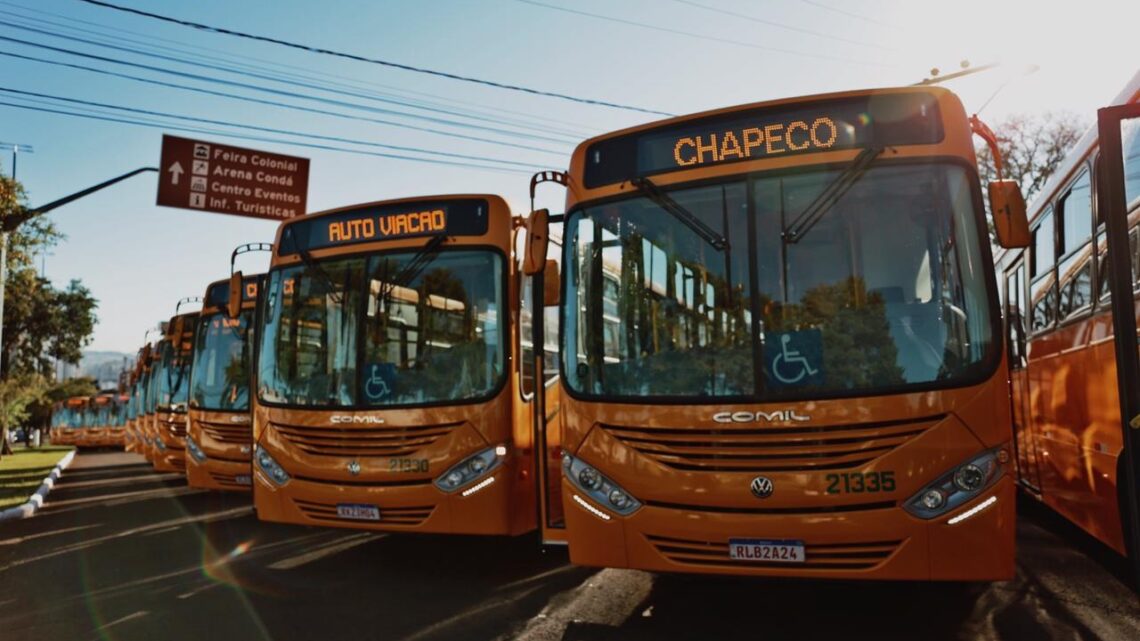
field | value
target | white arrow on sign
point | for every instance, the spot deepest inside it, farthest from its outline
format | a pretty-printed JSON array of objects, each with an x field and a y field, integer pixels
[{"x": 175, "y": 171}]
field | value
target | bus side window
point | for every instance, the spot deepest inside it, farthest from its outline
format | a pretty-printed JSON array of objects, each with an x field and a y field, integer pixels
[
  {"x": 526, "y": 339},
  {"x": 1134, "y": 250},
  {"x": 1130, "y": 137},
  {"x": 1077, "y": 293}
]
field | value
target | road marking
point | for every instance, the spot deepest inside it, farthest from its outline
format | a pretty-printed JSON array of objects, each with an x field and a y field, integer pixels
[
  {"x": 335, "y": 547},
  {"x": 208, "y": 586},
  {"x": 606, "y": 598},
  {"x": 21, "y": 539},
  {"x": 201, "y": 518},
  {"x": 129, "y": 617},
  {"x": 164, "y": 530}
]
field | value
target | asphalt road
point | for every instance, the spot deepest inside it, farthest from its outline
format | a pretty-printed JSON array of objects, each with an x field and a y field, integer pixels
[{"x": 122, "y": 553}]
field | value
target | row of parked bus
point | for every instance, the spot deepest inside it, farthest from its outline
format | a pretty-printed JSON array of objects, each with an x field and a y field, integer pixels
[
  {"x": 767, "y": 340},
  {"x": 90, "y": 421}
]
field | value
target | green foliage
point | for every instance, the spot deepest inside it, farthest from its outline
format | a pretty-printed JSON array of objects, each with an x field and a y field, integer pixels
[
  {"x": 40, "y": 321},
  {"x": 1032, "y": 147},
  {"x": 17, "y": 394}
]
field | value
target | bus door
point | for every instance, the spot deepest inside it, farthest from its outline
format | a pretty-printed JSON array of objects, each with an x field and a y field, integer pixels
[
  {"x": 538, "y": 325},
  {"x": 1118, "y": 192},
  {"x": 1024, "y": 437}
]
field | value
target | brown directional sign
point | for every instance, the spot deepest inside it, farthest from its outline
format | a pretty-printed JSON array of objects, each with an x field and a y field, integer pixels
[{"x": 207, "y": 176}]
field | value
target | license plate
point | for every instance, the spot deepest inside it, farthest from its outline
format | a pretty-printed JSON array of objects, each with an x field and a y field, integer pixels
[
  {"x": 766, "y": 550},
  {"x": 243, "y": 479},
  {"x": 358, "y": 512}
]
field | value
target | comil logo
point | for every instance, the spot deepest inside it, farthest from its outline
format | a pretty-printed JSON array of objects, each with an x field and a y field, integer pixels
[
  {"x": 239, "y": 419},
  {"x": 779, "y": 416},
  {"x": 368, "y": 420}
]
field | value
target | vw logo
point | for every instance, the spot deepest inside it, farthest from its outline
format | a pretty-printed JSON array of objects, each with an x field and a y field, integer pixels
[
  {"x": 762, "y": 487},
  {"x": 354, "y": 468}
]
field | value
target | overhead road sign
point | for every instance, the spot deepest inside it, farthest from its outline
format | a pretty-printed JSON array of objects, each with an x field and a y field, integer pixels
[{"x": 223, "y": 179}]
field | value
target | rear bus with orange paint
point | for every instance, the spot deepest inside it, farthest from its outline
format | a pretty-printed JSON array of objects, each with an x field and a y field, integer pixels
[
  {"x": 219, "y": 434},
  {"x": 780, "y": 345},
  {"x": 385, "y": 397}
]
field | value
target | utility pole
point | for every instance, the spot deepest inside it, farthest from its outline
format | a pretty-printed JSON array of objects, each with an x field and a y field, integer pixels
[{"x": 16, "y": 149}]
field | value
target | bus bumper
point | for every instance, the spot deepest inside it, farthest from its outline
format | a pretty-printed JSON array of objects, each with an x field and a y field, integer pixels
[
  {"x": 875, "y": 544},
  {"x": 218, "y": 474},
  {"x": 408, "y": 507}
]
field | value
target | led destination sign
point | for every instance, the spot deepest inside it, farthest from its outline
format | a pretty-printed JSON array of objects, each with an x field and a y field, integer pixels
[
  {"x": 767, "y": 132},
  {"x": 218, "y": 293},
  {"x": 463, "y": 217}
]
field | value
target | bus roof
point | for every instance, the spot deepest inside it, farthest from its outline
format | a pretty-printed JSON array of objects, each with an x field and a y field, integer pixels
[{"x": 1085, "y": 147}]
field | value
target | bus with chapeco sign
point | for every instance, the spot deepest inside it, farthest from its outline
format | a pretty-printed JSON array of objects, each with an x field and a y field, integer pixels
[
  {"x": 780, "y": 344},
  {"x": 385, "y": 397}
]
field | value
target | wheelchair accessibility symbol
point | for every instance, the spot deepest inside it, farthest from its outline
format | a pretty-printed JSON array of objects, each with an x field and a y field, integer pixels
[
  {"x": 376, "y": 385},
  {"x": 797, "y": 359}
]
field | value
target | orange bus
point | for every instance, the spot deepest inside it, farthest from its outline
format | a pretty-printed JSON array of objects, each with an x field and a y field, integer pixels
[
  {"x": 384, "y": 397},
  {"x": 219, "y": 435},
  {"x": 172, "y": 392},
  {"x": 67, "y": 420},
  {"x": 132, "y": 441},
  {"x": 781, "y": 349},
  {"x": 1066, "y": 404},
  {"x": 153, "y": 373}
]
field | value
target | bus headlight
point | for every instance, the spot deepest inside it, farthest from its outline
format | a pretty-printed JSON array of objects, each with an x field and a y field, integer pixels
[
  {"x": 194, "y": 450},
  {"x": 270, "y": 467},
  {"x": 471, "y": 468},
  {"x": 956, "y": 487},
  {"x": 594, "y": 484}
]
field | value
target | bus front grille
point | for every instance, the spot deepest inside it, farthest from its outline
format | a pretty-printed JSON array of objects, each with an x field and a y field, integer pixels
[
  {"x": 406, "y": 516},
  {"x": 385, "y": 441},
  {"x": 774, "y": 449},
  {"x": 861, "y": 555},
  {"x": 241, "y": 434}
]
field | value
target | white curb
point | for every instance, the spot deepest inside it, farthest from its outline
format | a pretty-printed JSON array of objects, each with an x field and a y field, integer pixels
[{"x": 34, "y": 503}]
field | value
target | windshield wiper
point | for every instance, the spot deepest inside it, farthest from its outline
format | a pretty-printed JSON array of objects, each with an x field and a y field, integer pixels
[
  {"x": 663, "y": 200},
  {"x": 830, "y": 195},
  {"x": 417, "y": 264},
  {"x": 314, "y": 267}
]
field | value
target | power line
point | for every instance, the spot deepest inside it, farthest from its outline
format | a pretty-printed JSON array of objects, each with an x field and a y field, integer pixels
[
  {"x": 350, "y": 82},
  {"x": 283, "y": 105},
  {"x": 271, "y": 130},
  {"x": 850, "y": 14},
  {"x": 699, "y": 36},
  {"x": 376, "y": 61},
  {"x": 277, "y": 76},
  {"x": 240, "y": 136},
  {"x": 453, "y": 123},
  {"x": 780, "y": 25},
  {"x": 230, "y": 83}
]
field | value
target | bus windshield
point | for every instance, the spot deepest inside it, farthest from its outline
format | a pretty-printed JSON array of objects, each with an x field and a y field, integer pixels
[
  {"x": 174, "y": 383},
  {"x": 368, "y": 331},
  {"x": 220, "y": 379},
  {"x": 884, "y": 290}
]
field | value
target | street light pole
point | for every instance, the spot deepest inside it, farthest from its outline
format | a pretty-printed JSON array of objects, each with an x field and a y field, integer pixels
[
  {"x": 16, "y": 149},
  {"x": 23, "y": 215}
]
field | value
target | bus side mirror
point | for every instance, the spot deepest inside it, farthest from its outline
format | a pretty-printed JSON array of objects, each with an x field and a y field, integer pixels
[
  {"x": 537, "y": 238},
  {"x": 233, "y": 302},
  {"x": 550, "y": 284},
  {"x": 1010, "y": 220}
]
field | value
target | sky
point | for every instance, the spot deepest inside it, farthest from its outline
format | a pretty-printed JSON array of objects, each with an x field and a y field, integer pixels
[{"x": 673, "y": 56}]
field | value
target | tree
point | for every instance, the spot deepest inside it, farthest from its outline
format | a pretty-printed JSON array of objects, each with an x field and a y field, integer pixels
[
  {"x": 40, "y": 321},
  {"x": 1032, "y": 147}
]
